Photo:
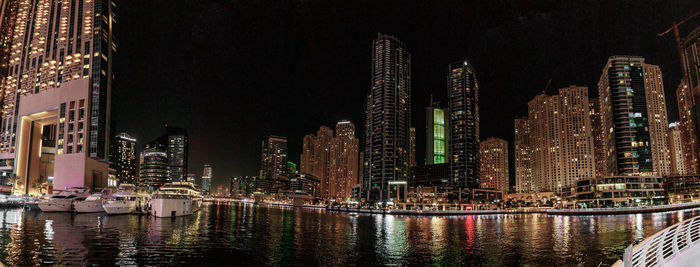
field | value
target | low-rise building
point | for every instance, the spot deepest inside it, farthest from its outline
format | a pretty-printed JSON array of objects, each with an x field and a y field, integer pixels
[
  {"x": 620, "y": 191},
  {"x": 682, "y": 188}
]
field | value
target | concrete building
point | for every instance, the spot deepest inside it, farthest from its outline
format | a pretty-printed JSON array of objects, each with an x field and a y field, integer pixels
[
  {"x": 388, "y": 118},
  {"x": 658, "y": 119},
  {"x": 344, "y": 161},
  {"x": 494, "y": 164},
  {"x": 315, "y": 158},
  {"x": 675, "y": 147},
  {"x": 435, "y": 134},
  {"x": 206, "y": 178},
  {"x": 56, "y": 70},
  {"x": 463, "y": 121},
  {"x": 124, "y": 159},
  {"x": 521, "y": 146},
  {"x": 625, "y": 117},
  {"x": 561, "y": 139}
]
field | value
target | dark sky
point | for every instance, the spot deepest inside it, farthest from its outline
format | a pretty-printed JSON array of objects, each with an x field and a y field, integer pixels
[{"x": 234, "y": 72}]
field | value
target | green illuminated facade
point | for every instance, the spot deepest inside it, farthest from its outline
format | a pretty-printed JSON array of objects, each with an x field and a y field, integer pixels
[{"x": 436, "y": 136}]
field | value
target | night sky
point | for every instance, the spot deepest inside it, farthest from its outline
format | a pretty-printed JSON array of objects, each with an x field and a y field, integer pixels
[{"x": 234, "y": 72}]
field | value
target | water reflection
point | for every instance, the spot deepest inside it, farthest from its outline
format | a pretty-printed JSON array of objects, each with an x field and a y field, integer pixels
[{"x": 258, "y": 235}]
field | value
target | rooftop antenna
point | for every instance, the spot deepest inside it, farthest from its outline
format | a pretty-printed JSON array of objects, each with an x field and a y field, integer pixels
[{"x": 544, "y": 91}]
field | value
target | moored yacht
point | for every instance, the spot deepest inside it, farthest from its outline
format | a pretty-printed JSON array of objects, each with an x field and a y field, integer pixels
[
  {"x": 63, "y": 201},
  {"x": 92, "y": 203},
  {"x": 175, "y": 199},
  {"x": 125, "y": 201}
]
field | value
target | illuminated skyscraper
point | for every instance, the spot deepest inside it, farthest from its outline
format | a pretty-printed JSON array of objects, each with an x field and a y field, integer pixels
[
  {"x": 176, "y": 144},
  {"x": 388, "y": 118},
  {"x": 344, "y": 161},
  {"x": 688, "y": 94},
  {"x": 561, "y": 139},
  {"x": 463, "y": 117},
  {"x": 625, "y": 117},
  {"x": 658, "y": 119},
  {"x": 315, "y": 158},
  {"x": 206, "y": 178},
  {"x": 494, "y": 164},
  {"x": 676, "y": 149},
  {"x": 412, "y": 147},
  {"x": 523, "y": 169},
  {"x": 596, "y": 129},
  {"x": 273, "y": 162},
  {"x": 435, "y": 134},
  {"x": 153, "y": 169},
  {"x": 57, "y": 84},
  {"x": 124, "y": 159}
]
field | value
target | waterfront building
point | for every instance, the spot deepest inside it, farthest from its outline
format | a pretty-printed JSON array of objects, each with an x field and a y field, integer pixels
[
  {"x": 153, "y": 171},
  {"x": 596, "y": 129},
  {"x": 521, "y": 146},
  {"x": 56, "y": 74},
  {"x": 682, "y": 188},
  {"x": 343, "y": 161},
  {"x": 315, "y": 158},
  {"x": 206, "y": 178},
  {"x": 494, "y": 164},
  {"x": 124, "y": 159},
  {"x": 388, "y": 118},
  {"x": 675, "y": 147},
  {"x": 658, "y": 119},
  {"x": 620, "y": 191},
  {"x": 463, "y": 121},
  {"x": 625, "y": 117},
  {"x": 435, "y": 134},
  {"x": 561, "y": 139},
  {"x": 273, "y": 160},
  {"x": 175, "y": 143},
  {"x": 688, "y": 94},
  {"x": 305, "y": 184},
  {"x": 430, "y": 175}
]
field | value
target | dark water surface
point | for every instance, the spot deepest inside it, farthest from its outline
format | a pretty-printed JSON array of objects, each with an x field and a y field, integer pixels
[{"x": 243, "y": 234}]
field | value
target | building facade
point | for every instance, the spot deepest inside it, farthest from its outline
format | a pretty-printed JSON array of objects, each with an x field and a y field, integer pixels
[
  {"x": 561, "y": 139},
  {"x": 153, "y": 171},
  {"x": 273, "y": 162},
  {"x": 206, "y": 178},
  {"x": 435, "y": 134},
  {"x": 494, "y": 164},
  {"x": 124, "y": 159},
  {"x": 658, "y": 119},
  {"x": 625, "y": 118},
  {"x": 597, "y": 130},
  {"x": 412, "y": 147},
  {"x": 463, "y": 121},
  {"x": 316, "y": 158},
  {"x": 521, "y": 148},
  {"x": 388, "y": 118},
  {"x": 344, "y": 161},
  {"x": 688, "y": 94},
  {"x": 675, "y": 147},
  {"x": 56, "y": 67}
]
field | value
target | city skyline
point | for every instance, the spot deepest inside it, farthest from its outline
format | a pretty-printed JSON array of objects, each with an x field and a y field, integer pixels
[{"x": 431, "y": 51}]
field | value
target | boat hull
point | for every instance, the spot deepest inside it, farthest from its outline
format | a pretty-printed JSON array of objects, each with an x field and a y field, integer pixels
[
  {"x": 121, "y": 207},
  {"x": 55, "y": 205},
  {"x": 171, "y": 207},
  {"x": 88, "y": 206}
]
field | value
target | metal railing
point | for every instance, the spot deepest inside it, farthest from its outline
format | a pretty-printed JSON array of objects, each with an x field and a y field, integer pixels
[{"x": 669, "y": 247}]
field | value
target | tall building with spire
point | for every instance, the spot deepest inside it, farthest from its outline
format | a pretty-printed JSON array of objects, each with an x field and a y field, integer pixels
[
  {"x": 56, "y": 67},
  {"x": 494, "y": 164},
  {"x": 388, "y": 118},
  {"x": 463, "y": 121},
  {"x": 435, "y": 134}
]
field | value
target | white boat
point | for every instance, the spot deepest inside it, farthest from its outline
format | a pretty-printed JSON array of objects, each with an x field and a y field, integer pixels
[
  {"x": 92, "y": 203},
  {"x": 63, "y": 201},
  {"x": 176, "y": 199},
  {"x": 125, "y": 201}
]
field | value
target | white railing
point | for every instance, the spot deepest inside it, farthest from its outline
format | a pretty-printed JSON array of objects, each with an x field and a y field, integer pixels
[{"x": 673, "y": 246}]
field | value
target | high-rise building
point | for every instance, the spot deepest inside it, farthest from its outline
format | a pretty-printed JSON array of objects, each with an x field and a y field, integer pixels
[
  {"x": 494, "y": 164},
  {"x": 153, "y": 169},
  {"x": 388, "y": 118},
  {"x": 273, "y": 162},
  {"x": 315, "y": 158},
  {"x": 176, "y": 144},
  {"x": 521, "y": 146},
  {"x": 56, "y": 68},
  {"x": 675, "y": 147},
  {"x": 344, "y": 161},
  {"x": 658, "y": 119},
  {"x": 463, "y": 121},
  {"x": 412, "y": 147},
  {"x": 124, "y": 159},
  {"x": 625, "y": 117},
  {"x": 688, "y": 94},
  {"x": 435, "y": 134},
  {"x": 206, "y": 178},
  {"x": 596, "y": 129},
  {"x": 561, "y": 139}
]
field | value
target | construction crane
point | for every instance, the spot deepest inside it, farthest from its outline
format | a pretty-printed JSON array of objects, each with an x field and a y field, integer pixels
[{"x": 679, "y": 40}]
